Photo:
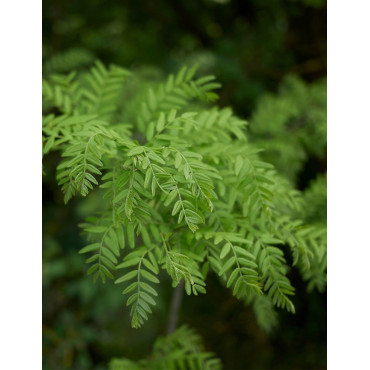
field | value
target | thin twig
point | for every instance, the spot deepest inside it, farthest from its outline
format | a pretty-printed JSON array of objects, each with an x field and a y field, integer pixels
[{"x": 175, "y": 307}]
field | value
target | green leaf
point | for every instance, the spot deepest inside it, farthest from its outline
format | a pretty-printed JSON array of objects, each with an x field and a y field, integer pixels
[
  {"x": 130, "y": 288},
  {"x": 238, "y": 164},
  {"x": 128, "y": 263},
  {"x": 178, "y": 160},
  {"x": 148, "y": 265},
  {"x": 96, "y": 229},
  {"x": 147, "y": 275},
  {"x": 109, "y": 254},
  {"x": 89, "y": 248},
  {"x": 156, "y": 157},
  {"x": 176, "y": 208},
  {"x": 130, "y": 275},
  {"x": 160, "y": 122},
  {"x": 170, "y": 197},
  {"x": 232, "y": 277},
  {"x": 120, "y": 236},
  {"x": 130, "y": 235},
  {"x": 172, "y": 115},
  {"x": 148, "y": 288},
  {"x": 148, "y": 176},
  {"x": 227, "y": 265},
  {"x": 106, "y": 272},
  {"x": 135, "y": 151},
  {"x": 225, "y": 250},
  {"x": 92, "y": 269}
]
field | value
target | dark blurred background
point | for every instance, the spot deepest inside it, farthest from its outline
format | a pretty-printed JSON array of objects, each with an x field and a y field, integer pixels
[{"x": 251, "y": 46}]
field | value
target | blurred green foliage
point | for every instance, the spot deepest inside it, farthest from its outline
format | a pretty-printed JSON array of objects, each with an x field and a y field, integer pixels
[
  {"x": 291, "y": 125},
  {"x": 252, "y": 47},
  {"x": 249, "y": 44},
  {"x": 181, "y": 349}
]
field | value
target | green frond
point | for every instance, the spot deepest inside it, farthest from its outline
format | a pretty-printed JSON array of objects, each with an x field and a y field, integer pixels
[
  {"x": 265, "y": 314},
  {"x": 140, "y": 292},
  {"x": 181, "y": 349},
  {"x": 232, "y": 260},
  {"x": 102, "y": 90},
  {"x": 69, "y": 60},
  {"x": 83, "y": 158},
  {"x": 273, "y": 267},
  {"x": 61, "y": 92},
  {"x": 106, "y": 241},
  {"x": 184, "y": 190},
  {"x": 175, "y": 94},
  {"x": 181, "y": 267},
  {"x": 291, "y": 124}
]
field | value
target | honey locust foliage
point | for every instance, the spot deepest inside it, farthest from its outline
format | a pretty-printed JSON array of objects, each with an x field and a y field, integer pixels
[
  {"x": 182, "y": 349},
  {"x": 291, "y": 125},
  {"x": 184, "y": 191}
]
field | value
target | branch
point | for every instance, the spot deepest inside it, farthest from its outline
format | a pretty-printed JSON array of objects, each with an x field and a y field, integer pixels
[{"x": 175, "y": 307}]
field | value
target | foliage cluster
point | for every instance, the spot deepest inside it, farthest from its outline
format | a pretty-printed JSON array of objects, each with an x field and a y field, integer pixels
[
  {"x": 182, "y": 349},
  {"x": 185, "y": 192},
  {"x": 292, "y": 125},
  {"x": 251, "y": 46}
]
